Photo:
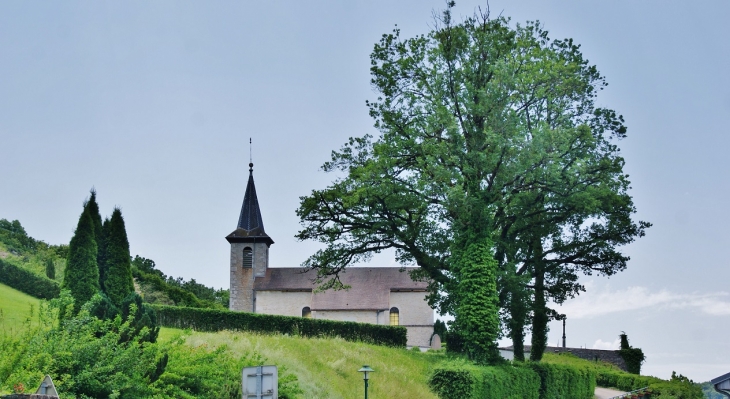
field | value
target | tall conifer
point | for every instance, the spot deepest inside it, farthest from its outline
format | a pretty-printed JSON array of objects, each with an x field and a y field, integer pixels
[
  {"x": 101, "y": 258},
  {"x": 82, "y": 274},
  {"x": 118, "y": 283},
  {"x": 92, "y": 207}
]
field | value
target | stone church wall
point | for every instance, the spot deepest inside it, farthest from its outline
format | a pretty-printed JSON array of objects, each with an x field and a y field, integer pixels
[{"x": 242, "y": 279}]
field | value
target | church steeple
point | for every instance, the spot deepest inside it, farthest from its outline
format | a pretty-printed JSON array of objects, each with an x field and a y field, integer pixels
[{"x": 250, "y": 226}]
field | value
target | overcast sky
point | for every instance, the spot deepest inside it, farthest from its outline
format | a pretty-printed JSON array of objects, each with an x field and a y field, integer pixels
[{"x": 153, "y": 103}]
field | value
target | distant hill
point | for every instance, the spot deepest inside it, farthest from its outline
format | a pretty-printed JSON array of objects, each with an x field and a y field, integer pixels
[{"x": 21, "y": 250}]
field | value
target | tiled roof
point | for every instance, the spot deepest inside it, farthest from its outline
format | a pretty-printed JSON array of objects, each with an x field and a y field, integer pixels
[{"x": 370, "y": 286}]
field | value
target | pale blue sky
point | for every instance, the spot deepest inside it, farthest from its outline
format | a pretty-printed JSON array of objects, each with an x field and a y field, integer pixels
[{"x": 153, "y": 104}]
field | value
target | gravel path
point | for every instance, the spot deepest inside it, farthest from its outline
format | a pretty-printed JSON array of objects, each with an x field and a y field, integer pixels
[{"x": 605, "y": 393}]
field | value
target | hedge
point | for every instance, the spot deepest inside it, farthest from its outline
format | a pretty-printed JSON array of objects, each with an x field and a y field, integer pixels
[
  {"x": 563, "y": 381},
  {"x": 466, "y": 381},
  {"x": 660, "y": 388},
  {"x": 28, "y": 282},
  {"x": 216, "y": 320},
  {"x": 517, "y": 381}
]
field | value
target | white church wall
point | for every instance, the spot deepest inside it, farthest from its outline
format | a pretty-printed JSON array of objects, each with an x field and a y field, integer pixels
[
  {"x": 360, "y": 316},
  {"x": 282, "y": 303},
  {"x": 413, "y": 308}
]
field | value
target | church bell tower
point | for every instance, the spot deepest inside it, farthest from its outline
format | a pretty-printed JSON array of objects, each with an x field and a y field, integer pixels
[{"x": 249, "y": 250}]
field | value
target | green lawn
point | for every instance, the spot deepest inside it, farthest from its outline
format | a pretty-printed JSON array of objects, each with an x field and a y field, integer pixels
[
  {"x": 327, "y": 368},
  {"x": 15, "y": 307}
]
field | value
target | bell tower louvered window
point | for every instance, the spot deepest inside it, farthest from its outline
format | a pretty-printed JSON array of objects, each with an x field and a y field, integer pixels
[{"x": 247, "y": 258}]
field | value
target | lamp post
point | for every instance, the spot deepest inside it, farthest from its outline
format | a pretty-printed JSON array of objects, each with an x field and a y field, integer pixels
[{"x": 365, "y": 370}]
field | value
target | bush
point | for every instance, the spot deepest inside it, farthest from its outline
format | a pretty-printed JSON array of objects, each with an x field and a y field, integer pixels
[
  {"x": 25, "y": 281},
  {"x": 178, "y": 295},
  {"x": 564, "y": 382},
  {"x": 463, "y": 381},
  {"x": 217, "y": 320},
  {"x": 678, "y": 387}
]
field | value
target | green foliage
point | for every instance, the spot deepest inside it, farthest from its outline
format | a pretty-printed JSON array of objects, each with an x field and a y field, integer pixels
[
  {"x": 17, "y": 248},
  {"x": 82, "y": 274},
  {"x": 86, "y": 356},
  {"x": 563, "y": 381},
  {"x": 177, "y": 295},
  {"x": 202, "y": 372},
  {"x": 217, "y": 320},
  {"x": 486, "y": 131},
  {"x": 118, "y": 283},
  {"x": 25, "y": 281},
  {"x": 634, "y": 357},
  {"x": 477, "y": 312},
  {"x": 439, "y": 328},
  {"x": 50, "y": 269},
  {"x": 460, "y": 380},
  {"x": 13, "y": 235}
]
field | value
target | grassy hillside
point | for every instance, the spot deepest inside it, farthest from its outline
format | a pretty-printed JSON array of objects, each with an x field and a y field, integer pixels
[
  {"x": 15, "y": 306},
  {"x": 327, "y": 368}
]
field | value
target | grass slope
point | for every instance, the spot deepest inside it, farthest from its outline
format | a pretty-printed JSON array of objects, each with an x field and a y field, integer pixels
[
  {"x": 15, "y": 306},
  {"x": 327, "y": 368}
]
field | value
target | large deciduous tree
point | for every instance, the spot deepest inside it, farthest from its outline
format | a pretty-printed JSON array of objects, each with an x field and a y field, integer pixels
[{"x": 494, "y": 172}]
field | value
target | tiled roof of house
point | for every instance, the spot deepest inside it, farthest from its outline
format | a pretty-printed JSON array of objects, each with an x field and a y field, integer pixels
[{"x": 370, "y": 286}]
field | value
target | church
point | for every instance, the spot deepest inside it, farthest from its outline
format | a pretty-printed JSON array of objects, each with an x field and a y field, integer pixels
[{"x": 378, "y": 295}]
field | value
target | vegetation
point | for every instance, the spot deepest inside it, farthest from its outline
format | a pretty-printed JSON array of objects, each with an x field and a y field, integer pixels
[
  {"x": 633, "y": 357},
  {"x": 160, "y": 289},
  {"x": 25, "y": 281},
  {"x": 118, "y": 283},
  {"x": 217, "y": 320},
  {"x": 82, "y": 274},
  {"x": 460, "y": 379},
  {"x": 490, "y": 142}
]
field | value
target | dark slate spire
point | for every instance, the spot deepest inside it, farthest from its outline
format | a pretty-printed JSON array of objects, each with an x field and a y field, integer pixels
[
  {"x": 250, "y": 224},
  {"x": 250, "y": 218}
]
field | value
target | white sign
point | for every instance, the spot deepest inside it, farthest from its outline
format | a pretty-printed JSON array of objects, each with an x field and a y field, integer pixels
[{"x": 260, "y": 382}]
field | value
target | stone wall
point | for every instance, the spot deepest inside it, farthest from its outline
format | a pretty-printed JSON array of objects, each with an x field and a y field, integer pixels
[{"x": 242, "y": 298}]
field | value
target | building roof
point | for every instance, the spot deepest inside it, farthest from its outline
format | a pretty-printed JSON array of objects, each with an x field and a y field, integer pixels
[
  {"x": 250, "y": 226},
  {"x": 370, "y": 286}
]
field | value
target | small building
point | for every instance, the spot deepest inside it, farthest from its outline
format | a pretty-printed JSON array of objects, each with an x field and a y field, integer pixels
[{"x": 378, "y": 295}]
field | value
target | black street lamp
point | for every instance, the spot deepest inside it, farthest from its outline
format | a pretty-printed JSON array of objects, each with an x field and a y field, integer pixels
[{"x": 365, "y": 370}]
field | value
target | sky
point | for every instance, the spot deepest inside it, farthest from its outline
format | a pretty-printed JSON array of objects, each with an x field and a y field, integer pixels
[{"x": 153, "y": 105}]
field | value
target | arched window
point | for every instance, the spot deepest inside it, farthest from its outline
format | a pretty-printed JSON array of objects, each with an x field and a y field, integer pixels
[
  {"x": 394, "y": 317},
  {"x": 247, "y": 257},
  {"x": 307, "y": 312}
]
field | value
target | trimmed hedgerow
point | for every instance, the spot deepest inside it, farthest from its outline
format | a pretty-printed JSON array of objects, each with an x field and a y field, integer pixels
[
  {"x": 529, "y": 380},
  {"x": 564, "y": 382},
  {"x": 678, "y": 387},
  {"x": 217, "y": 320},
  {"x": 28, "y": 282},
  {"x": 464, "y": 381}
]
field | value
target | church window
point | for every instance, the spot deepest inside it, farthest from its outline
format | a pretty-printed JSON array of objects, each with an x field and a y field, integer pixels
[
  {"x": 307, "y": 312},
  {"x": 394, "y": 317},
  {"x": 247, "y": 257}
]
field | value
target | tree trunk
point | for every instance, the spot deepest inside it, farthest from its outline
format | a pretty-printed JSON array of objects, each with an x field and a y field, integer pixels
[{"x": 539, "y": 310}]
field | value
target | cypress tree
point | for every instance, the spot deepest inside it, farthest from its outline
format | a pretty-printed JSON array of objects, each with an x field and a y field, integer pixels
[
  {"x": 82, "y": 274},
  {"x": 101, "y": 258},
  {"x": 92, "y": 207},
  {"x": 118, "y": 283},
  {"x": 50, "y": 269}
]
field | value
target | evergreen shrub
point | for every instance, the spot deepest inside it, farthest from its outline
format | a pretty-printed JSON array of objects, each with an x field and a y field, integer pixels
[
  {"x": 466, "y": 381},
  {"x": 25, "y": 281},
  {"x": 217, "y": 320},
  {"x": 563, "y": 381}
]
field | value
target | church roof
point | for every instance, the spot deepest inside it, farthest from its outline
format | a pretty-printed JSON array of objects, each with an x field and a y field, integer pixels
[
  {"x": 250, "y": 226},
  {"x": 370, "y": 286}
]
